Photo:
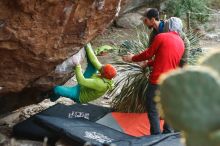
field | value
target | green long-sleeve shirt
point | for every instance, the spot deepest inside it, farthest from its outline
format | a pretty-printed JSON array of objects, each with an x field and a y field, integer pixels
[
  {"x": 94, "y": 87},
  {"x": 92, "y": 57}
]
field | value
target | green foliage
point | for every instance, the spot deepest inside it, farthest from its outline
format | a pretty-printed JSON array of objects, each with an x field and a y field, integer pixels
[
  {"x": 104, "y": 49},
  {"x": 215, "y": 4},
  {"x": 133, "y": 79},
  {"x": 133, "y": 84},
  {"x": 137, "y": 44},
  {"x": 179, "y": 8},
  {"x": 195, "y": 51}
]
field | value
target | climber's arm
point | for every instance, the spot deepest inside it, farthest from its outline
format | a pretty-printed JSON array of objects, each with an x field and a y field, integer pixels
[{"x": 92, "y": 57}]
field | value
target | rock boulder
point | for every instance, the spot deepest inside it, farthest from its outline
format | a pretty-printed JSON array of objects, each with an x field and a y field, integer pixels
[{"x": 37, "y": 35}]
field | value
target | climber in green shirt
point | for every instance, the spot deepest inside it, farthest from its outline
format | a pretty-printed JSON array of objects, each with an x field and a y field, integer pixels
[{"x": 96, "y": 80}]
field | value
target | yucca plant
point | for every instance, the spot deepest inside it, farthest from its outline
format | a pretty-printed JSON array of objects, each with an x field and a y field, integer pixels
[
  {"x": 132, "y": 85},
  {"x": 132, "y": 81},
  {"x": 195, "y": 51}
]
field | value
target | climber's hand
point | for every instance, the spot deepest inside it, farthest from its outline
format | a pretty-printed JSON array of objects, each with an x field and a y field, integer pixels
[
  {"x": 142, "y": 64},
  {"x": 78, "y": 57},
  {"x": 127, "y": 58}
]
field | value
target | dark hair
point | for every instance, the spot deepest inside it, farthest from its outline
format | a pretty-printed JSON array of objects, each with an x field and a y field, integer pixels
[{"x": 152, "y": 13}]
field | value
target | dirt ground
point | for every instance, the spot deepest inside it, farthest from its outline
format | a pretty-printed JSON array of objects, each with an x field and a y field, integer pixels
[{"x": 112, "y": 36}]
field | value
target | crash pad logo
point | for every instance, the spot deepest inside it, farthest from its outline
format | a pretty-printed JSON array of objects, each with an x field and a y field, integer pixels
[
  {"x": 75, "y": 114},
  {"x": 98, "y": 137}
]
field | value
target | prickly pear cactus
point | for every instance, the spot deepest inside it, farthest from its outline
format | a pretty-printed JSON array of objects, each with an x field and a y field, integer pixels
[
  {"x": 212, "y": 60},
  {"x": 190, "y": 100}
]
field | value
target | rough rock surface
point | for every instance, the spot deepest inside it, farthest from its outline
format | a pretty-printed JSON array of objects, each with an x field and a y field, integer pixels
[
  {"x": 36, "y": 35},
  {"x": 129, "y": 20},
  {"x": 131, "y": 5}
]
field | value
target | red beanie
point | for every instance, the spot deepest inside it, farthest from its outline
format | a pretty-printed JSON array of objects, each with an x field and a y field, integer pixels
[{"x": 109, "y": 71}]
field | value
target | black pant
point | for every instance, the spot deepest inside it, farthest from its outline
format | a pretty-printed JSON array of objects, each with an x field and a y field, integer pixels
[{"x": 152, "y": 112}]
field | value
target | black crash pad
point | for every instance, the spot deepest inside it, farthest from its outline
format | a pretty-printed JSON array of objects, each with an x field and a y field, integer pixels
[{"x": 30, "y": 129}]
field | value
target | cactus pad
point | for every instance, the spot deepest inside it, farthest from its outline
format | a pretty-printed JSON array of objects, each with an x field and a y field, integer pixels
[
  {"x": 212, "y": 60},
  {"x": 190, "y": 100}
]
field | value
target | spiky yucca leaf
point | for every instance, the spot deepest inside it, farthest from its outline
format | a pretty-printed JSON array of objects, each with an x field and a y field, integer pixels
[
  {"x": 132, "y": 85},
  {"x": 195, "y": 51},
  {"x": 136, "y": 45},
  {"x": 133, "y": 79}
]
